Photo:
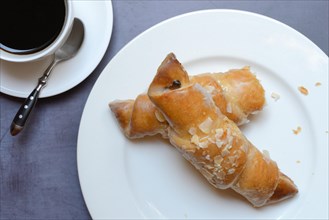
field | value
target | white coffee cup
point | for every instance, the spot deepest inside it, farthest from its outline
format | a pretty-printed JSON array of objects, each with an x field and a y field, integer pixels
[{"x": 48, "y": 50}]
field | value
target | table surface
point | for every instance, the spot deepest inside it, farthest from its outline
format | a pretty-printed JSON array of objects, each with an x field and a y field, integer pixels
[{"x": 38, "y": 168}]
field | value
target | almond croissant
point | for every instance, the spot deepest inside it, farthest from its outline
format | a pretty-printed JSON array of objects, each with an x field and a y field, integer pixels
[
  {"x": 237, "y": 93},
  {"x": 212, "y": 142}
]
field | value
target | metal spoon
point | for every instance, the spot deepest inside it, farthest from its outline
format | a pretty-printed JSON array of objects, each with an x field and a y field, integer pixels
[{"x": 67, "y": 51}]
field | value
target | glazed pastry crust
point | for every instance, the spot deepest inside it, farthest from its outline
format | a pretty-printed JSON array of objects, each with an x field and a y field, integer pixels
[
  {"x": 237, "y": 93},
  {"x": 138, "y": 118},
  {"x": 212, "y": 142}
]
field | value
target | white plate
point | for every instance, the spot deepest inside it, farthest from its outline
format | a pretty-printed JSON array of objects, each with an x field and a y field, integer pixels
[
  {"x": 149, "y": 179},
  {"x": 19, "y": 79}
]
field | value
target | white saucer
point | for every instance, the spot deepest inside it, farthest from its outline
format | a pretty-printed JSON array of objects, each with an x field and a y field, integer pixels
[{"x": 19, "y": 79}]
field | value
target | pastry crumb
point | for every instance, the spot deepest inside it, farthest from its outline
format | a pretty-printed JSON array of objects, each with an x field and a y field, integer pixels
[
  {"x": 275, "y": 96},
  {"x": 318, "y": 84},
  {"x": 297, "y": 161},
  {"x": 297, "y": 131},
  {"x": 303, "y": 90}
]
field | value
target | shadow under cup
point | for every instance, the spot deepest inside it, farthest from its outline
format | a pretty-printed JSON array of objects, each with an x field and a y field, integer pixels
[{"x": 31, "y": 26}]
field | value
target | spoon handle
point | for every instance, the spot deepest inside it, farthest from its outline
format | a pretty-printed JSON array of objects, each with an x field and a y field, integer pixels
[{"x": 24, "y": 111}]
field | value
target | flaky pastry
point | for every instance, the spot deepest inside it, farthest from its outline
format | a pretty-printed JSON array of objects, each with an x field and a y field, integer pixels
[
  {"x": 211, "y": 141},
  {"x": 237, "y": 93}
]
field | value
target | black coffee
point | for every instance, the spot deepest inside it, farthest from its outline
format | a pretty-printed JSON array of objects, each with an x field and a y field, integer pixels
[{"x": 30, "y": 25}]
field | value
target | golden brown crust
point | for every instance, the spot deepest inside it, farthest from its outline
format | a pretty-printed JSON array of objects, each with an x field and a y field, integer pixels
[
  {"x": 148, "y": 124},
  {"x": 285, "y": 189},
  {"x": 237, "y": 93},
  {"x": 122, "y": 111},
  {"x": 244, "y": 90},
  {"x": 212, "y": 142},
  {"x": 138, "y": 118}
]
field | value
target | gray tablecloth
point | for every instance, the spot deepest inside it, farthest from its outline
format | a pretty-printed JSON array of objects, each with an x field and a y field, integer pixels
[{"x": 38, "y": 168}]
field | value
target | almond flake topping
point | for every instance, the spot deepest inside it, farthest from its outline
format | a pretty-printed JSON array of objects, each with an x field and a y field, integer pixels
[
  {"x": 211, "y": 140},
  {"x": 221, "y": 175},
  {"x": 230, "y": 140},
  {"x": 159, "y": 116},
  {"x": 219, "y": 144},
  {"x": 217, "y": 162},
  {"x": 266, "y": 156},
  {"x": 225, "y": 152},
  {"x": 203, "y": 144},
  {"x": 205, "y": 126},
  {"x": 231, "y": 171},
  {"x": 209, "y": 89},
  {"x": 243, "y": 121},
  {"x": 218, "y": 159},
  {"x": 266, "y": 153},
  {"x": 232, "y": 159},
  {"x": 275, "y": 96},
  {"x": 245, "y": 148},
  {"x": 219, "y": 133},
  {"x": 192, "y": 131},
  {"x": 195, "y": 139},
  {"x": 229, "y": 108},
  {"x": 209, "y": 167}
]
